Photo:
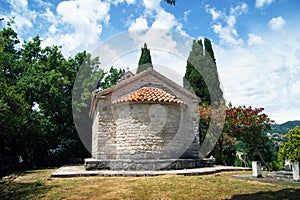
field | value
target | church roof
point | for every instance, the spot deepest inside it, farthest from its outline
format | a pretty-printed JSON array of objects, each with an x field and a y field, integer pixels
[
  {"x": 149, "y": 94},
  {"x": 141, "y": 75}
]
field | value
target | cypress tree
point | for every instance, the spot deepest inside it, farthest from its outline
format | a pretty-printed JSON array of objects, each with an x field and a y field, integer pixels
[
  {"x": 209, "y": 50},
  {"x": 201, "y": 73},
  {"x": 145, "y": 60},
  {"x": 201, "y": 77}
]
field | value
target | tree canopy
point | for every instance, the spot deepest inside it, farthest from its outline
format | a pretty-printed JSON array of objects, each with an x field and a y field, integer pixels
[
  {"x": 145, "y": 60},
  {"x": 201, "y": 74},
  {"x": 171, "y": 2},
  {"x": 290, "y": 150},
  {"x": 36, "y": 85},
  {"x": 242, "y": 124}
]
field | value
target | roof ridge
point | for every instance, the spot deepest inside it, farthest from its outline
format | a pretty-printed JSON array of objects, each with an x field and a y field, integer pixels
[{"x": 149, "y": 94}]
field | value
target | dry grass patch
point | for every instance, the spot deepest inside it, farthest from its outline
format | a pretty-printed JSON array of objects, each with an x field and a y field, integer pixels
[{"x": 37, "y": 185}]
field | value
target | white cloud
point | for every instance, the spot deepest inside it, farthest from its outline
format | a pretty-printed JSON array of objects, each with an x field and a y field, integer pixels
[
  {"x": 116, "y": 2},
  {"x": 52, "y": 29},
  {"x": 164, "y": 20},
  {"x": 231, "y": 20},
  {"x": 24, "y": 17},
  {"x": 152, "y": 4},
  {"x": 224, "y": 24},
  {"x": 262, "y": 3},
  {"x": 263, "y": 77},
  {"x": 163, "y": 23},
  {"x": 154, "y": 12},
  {"x": 138, "y": 23},
  {"x": 186, "y": 14},
  {"x": 239, "y": 9},
  {"x": 276, "y": 23},
  {"x": 78, "y": 24},
  {"x": 227, "y": 34},
  {"x": 283, "y": 115},
  {"x": 43, "y": 3},
  {"x": 79, "y": 13},
  {"x": 179, "y": 29},
  {"x": 295, "y": 89},
  {"x": 49, "y": 16},
  {"x": 214, "y": 13},
  {"x": 254, "y": 39}
]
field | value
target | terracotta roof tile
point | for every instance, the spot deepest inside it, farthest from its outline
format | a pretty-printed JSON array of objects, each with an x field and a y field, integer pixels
[{"x": 149, "y": 94}]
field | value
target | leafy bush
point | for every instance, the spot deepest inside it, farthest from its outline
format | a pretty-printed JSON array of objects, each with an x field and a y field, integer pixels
[
  {"x": 39, "y": 183},
  {"x": 275, "y": 166},
  {"x": 291, "y": 149}
]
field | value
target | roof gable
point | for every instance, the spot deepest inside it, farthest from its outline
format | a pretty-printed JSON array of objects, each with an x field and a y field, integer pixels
[
  {"x": 141, "y": 75},
  {"x": 132, "y": 79},
  {"x": 148, "y": 94}
]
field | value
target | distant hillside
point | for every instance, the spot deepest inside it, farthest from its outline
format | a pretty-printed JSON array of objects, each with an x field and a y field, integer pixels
[{"x": 285, "y": 127}]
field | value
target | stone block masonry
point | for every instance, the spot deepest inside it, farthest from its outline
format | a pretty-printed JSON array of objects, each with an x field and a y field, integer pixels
[{"x": 144, "y": 135}]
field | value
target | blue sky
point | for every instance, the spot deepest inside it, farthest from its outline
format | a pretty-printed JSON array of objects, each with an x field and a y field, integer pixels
[{"x": 256, "y": 43}]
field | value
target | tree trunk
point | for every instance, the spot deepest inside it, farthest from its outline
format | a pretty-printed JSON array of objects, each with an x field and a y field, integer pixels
[{"x": 262, "y": 159}]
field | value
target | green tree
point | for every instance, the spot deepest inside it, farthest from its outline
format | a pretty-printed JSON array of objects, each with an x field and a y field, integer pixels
[
  {"x": 13, "y": 106},
  {"x": 36, "y": 87},
  {"x": 13, "y": 111},
  {"x": 201, "y": 74},
  {"x": 209, "y": 50},
  {"x": 90, "y": 79},
  {"x": 201, "y": 77},
  {"x": 171, "y": 2},
  {"x": 9, "y": 55},
  {"x": 112, "y": 77},
  {"x": 145, "y": 60},
  {"x": 224, "y": 150},
  {"x": 193, "y": 80},
  {"x": 47, "y": 81},
  {"x": 248, "y": 125},
  {"x": 290, "y": 150},
  {"x": 243, "y": 126}
]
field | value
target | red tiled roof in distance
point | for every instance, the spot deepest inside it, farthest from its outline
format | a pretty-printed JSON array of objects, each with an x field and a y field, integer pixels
[{"x": 149, "y": 94}]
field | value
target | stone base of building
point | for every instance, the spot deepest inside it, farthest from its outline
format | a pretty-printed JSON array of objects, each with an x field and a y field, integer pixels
[{"x": 139, "y": 165}]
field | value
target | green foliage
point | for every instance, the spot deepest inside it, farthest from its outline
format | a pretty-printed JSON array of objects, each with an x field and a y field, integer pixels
[
  {"x": 145, "y": 60},
  {"x": 275, "y": 166},
  {"x": 243, "y": 130},
  {"x": 36, "y": 87},
  {"x": 238, "y": 162},
  {"x": 202, "y": 79},
  {"x": 248, "y": 125},
  {"x": 13, "y": 112},
  {"x": 112, "y": 77},
  {"x": 171, "y": 2},
  {"x": 225, "y": 150},
  {"x": 38, "y": 183},
  {"x": 201, "y": 76},
  {"x": 209, "y": 50},
  {"x": 90, "y": 79},
  {"x": 291, "y": 149}
]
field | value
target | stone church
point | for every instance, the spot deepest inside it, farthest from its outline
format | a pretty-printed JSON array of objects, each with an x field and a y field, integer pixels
[{"x": 145, "y": 122}]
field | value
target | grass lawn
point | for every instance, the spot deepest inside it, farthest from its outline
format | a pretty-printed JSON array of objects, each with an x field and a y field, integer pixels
[{"x": 37, "y": 184}]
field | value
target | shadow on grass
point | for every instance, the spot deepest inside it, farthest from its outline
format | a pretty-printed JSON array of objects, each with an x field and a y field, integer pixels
[
  {"x": 289, "y": 193},
  {"x": 26, "y": 190}
]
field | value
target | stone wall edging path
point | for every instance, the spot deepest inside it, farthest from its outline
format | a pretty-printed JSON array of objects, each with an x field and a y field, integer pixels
[{"x": 79, "y": 171}]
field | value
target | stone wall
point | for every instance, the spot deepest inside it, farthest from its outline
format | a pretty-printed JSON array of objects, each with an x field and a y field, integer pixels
[
  {"x": 104, "y": 131},
  {"x": 146, "y": 130},
  {"x": 125, "y": 133},
  {"x": 189, "y": 119}
]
